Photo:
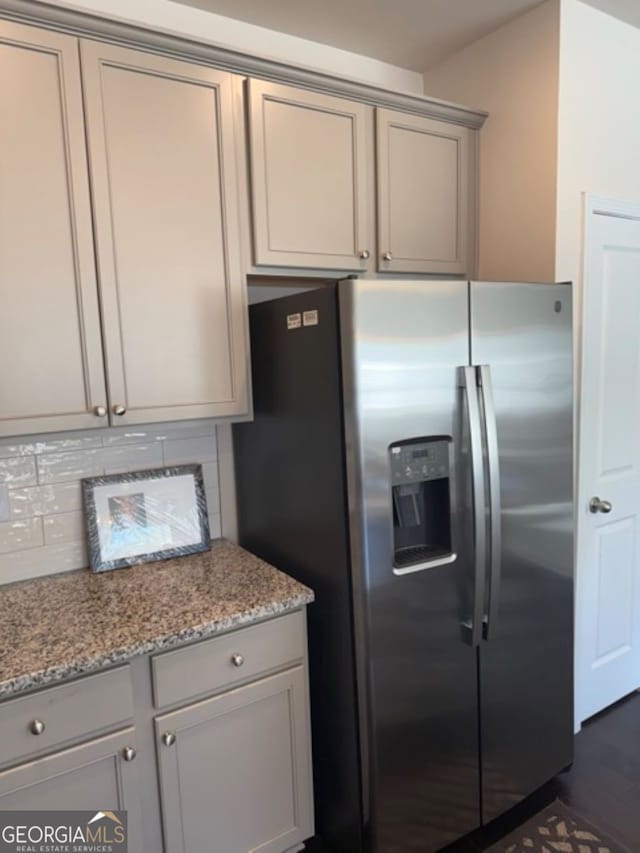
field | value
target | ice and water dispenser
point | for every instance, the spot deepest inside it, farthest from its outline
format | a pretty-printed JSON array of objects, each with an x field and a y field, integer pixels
[{"x": 421, "y": 486}]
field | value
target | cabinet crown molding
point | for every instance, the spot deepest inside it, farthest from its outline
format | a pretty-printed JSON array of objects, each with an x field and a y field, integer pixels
[{"x": 85, "y": 25}]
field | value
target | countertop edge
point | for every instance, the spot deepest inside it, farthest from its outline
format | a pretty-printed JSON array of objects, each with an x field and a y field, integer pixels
[{"x": 70, "y": 669}]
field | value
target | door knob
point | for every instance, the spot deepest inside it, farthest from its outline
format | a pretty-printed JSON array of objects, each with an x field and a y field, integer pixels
[
  {"x": 119, "y": 410},
  {"x": 387, "y": 256},
  {"x": 237, "y": 659},
  {"x": 598, "y": 505},
  {"x": 168, "y": 738},
  {"x": 129, "y": 753},
  {"x": 364, "y": 254},
  {"x": 100, "y": 411}
]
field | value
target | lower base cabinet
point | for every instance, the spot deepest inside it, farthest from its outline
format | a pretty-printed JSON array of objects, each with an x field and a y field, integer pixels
[
  {"x": 98, "y": 775},
  {"x": 231, "y": 768},
  {"x": 234, "y": 769}
]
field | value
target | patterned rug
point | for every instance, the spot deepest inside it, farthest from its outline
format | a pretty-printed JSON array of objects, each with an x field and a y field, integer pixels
[{"x": 557, "y": 829}]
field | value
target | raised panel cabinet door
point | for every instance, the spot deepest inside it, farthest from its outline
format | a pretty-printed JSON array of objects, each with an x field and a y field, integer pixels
[
  {"x": 162, "y": 147},
  {"x": 308, "y": 177},
  {"x": 51, "y": 366},
  {"x": 95, "y": 776},
  {"x": 424, "y": 175},
  {"x": 235, "y": 770}
]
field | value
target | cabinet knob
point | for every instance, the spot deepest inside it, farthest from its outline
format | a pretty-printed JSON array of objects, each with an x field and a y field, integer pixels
[
  {"x": 119, "y": 410},
  {"x": 237, "y": 659},
  {"x": 387, "y": 256},
  {"x": 100, "y": 411},
  {"x": 128, "y": 753},
  {"x": 168, "y": 738},
  {"x": 364, "y": 254},
  {"x": 36, "y": 727}
]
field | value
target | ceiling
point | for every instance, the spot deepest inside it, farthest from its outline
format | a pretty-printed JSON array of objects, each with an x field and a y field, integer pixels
[
  {"x": 415, "y": 34},
  {"x": 626, "y": 10}
]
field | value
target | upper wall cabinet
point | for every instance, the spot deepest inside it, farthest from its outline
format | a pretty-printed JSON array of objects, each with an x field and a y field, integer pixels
[
  {"x": 165, "y": 188},
  {"x": 425, "y": 193},
  {"x": 308, "y": 175},
  {"x": 51, "y": 366}
]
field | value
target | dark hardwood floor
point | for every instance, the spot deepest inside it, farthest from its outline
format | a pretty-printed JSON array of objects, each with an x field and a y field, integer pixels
[{"x": 603, "y": 783}]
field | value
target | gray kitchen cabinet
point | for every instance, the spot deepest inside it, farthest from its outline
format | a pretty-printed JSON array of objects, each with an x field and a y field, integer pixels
[
  {"x": 100, "y": 774},
  {"x": 207, "y": 745},
  {"x": 51, "y": 364},
  {"x": 425, "y": 180},
  {"x": 235, "y": 770},
  {"x": 162, "y": 221},
  {"x": 162, "y": 149},
  {"x": 309, "y": 164}
]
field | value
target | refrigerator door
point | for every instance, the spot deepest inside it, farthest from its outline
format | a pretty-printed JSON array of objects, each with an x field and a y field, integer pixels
[
  {"x": 403, "y": 344},
  {"x": 521, "y": 341}
]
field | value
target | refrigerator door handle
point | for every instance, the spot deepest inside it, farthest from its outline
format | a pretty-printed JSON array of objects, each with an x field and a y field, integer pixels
[
  {"x": 474, "y": 626},
  {"x": 495, "y": 525}
]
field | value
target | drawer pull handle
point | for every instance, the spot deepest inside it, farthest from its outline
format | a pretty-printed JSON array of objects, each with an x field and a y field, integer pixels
[
  {"x": 237, "y": 659},
  {"x": 36, "y": 727},
  {"x": 128, "y": 753},
  {"x": 168, "y": 738}
]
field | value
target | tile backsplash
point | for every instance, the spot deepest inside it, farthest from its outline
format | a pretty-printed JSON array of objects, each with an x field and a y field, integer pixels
[{"x": 41, "y": 520}]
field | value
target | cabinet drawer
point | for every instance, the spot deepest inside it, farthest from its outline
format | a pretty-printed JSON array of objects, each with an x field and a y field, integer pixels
[
  {"x": 219, "y": 663},
  {"x": 67, "y": 713}
]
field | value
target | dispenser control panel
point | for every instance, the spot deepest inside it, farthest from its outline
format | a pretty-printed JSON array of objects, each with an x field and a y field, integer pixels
[{"x": 417, "y": 462}]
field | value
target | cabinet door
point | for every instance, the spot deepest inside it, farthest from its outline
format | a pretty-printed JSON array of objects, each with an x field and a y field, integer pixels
[
  {"x": 51, "y": 367},
  {"x": 424, "y": 176},
  {"x": 308, "y": 169},
  {"x": 238, "y": 775},
  {"x": 163, "y": 165},
  {"x": 93, "y": 776}
]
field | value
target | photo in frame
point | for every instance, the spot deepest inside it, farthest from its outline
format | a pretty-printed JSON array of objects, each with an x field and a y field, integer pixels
[{"x": 143, "y": 516}]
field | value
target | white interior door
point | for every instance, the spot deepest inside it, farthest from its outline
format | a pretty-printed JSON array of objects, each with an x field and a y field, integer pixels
[{"x": 608, "y": 571}]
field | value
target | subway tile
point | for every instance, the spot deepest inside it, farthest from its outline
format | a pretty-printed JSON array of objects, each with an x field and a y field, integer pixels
[
  {"x": 59, "y": 467},
  {"x": 211, "y": 486},
  {"x": 158, "y": 432},
  {"x": 20, "y": 535},
  {"x": 215, "y": 525},
  {"x": 66, "y": 527},
  {"x": 48, "y": 560},
  {"x": 38, "y": 444},
  {"x": 45, "y": 500},
  {"x": 181, "y": 451},
  {"x": 5, "y": 512},
  {"x": 18, "y": 471},
  {"x": 42, "y": 529},
  {"x": 118, "y": 460},
  {"x": 119, "y": 436}
]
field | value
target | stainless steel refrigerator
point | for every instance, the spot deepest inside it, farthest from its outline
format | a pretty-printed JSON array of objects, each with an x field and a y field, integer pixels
[{"x": 411, "y": 460}]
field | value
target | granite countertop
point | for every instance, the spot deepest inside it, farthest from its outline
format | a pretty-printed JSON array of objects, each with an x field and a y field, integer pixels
[{"x": 79, "y": 622}]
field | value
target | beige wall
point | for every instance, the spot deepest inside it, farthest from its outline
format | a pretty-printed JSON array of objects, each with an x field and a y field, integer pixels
[
  {"x": 599, "y": 128},
  {"x": 165, "y": 16},
  {"x": 513, "y": 74}
]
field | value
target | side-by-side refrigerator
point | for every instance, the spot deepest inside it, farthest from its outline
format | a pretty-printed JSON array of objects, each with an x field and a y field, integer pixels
[{"x": 411, "y": 461}]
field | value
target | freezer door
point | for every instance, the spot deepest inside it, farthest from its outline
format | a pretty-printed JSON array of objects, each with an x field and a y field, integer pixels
[
  {"x": 403, "y": 344},
  {"x": 521, "y": 342}
]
